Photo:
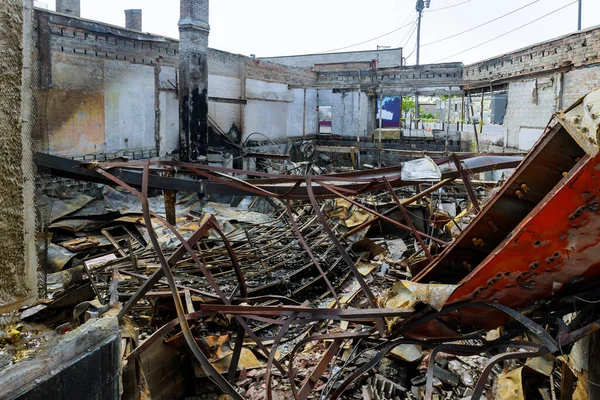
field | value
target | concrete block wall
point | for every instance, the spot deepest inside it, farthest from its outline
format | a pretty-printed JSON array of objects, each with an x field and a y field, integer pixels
[
  {"x": 541, "y": 79},
  {"x": 387, "y": 58},
  {"x": 531, "y": 103},
  {"x": 349, "y": 111},
  {"x": 578, "y": 83},
  {"x": 576, "y": 50}
]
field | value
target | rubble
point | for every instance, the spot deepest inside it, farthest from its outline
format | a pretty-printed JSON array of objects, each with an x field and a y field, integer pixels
[{"x": 394, "y": 283}]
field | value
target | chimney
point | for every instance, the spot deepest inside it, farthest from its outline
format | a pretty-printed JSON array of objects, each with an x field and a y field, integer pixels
[
  {"x": 133, "y": 19},
  {"x": 71, "y": 7},
  {"x": 193, "y": 81}
]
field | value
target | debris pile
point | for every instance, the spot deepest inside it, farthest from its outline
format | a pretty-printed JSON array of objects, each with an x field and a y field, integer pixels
[{"x": 408, "y": 282}]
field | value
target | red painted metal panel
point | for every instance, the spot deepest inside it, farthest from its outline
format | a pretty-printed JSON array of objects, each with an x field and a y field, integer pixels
[{"x": 556, "y": 246}]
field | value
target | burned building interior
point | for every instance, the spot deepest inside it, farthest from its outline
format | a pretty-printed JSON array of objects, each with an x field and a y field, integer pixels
[{"x": 180, "y": 222}]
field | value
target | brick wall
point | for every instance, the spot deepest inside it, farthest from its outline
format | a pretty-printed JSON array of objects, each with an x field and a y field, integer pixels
[
  {"x": 163, "y": 368},
  {"x": 133, "y": 19},
  {"x": 71, "y": 7},
  {"x": 86, "y": 66}
]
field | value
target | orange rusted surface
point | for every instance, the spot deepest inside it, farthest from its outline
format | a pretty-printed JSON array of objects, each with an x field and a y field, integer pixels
[
  {"x": 556, "y": 247},
  {"x": 538, "y": 237}
]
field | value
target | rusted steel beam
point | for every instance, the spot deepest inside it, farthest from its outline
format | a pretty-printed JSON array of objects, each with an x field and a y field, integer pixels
[
  {"x": 185, "y": 328},
  {"x": 345, "y": 256},
  {"x": 391, "y": 221},
  {"x": 310, "y": 253},
  {"x": 467, "y": 182},
  {"x": 405, "y": 202},
  {"x": 305, "y": 312},
  {"x": 409, "y": 221},
  {"x": 311, "y": 380},
  {"x": 542, "y": 170}
]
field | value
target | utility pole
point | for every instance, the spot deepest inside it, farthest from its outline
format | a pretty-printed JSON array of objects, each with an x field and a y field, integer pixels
[
  {"x": 421, "y": 5},
  {"x": 578, "y": 20}
]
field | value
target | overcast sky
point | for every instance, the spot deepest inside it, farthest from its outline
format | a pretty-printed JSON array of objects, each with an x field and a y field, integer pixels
[{"x": 283, "y": 27}]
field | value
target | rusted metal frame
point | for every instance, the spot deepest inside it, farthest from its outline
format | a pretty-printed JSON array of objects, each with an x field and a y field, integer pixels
[
  {"x": 319, "y": 313},
  {"x": 365, "y": 288},
  {"x": 532, "y": 326},
  {"x": 211, "y": 280},
  {"x": 244, "y": 187},
  {"x": 310, "y": 253},
  {"x": 357, "y": 176},
  {"x": 463, "y": 350},
  {"x": 539, "y": 350},
  {"x": 93, "y": 283},
  {"x": 404, "y": 202},
  {"x": 181, "y": 251},
  {"x": 282, "y": 331},
  {"x": 112, "y": 241},
  {"x": 144, "y": 199},
  {"x": 149, "y": 286},
  {"x": 385, "y": 348},
  {"x": 311, "y": 380},
  {"x": 408, "y": 220},
  {"x": 381, "y": 216},
  {"x": 185, "y": 328},
  {"x": 467, "y": 182},
  {"x": 315, "y": 338},
  {"x": 184, "y": 243},
  {"x": 572, "y": 337},
  {"x": 236, "y": 266}
]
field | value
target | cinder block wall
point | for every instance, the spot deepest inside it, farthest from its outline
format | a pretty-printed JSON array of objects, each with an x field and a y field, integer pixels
[
  {"x": 578, "y": 49},
  {"x": 163, "y": 368},
  {"x": 541, "y": 80}
]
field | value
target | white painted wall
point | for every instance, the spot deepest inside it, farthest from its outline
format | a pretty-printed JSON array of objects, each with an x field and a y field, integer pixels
[
  {"x": 350, "y": 112},
  {"x": 129, "y": 106},
  {"x": 267, "y": 117},
  {"x": 169, "y": 122}
]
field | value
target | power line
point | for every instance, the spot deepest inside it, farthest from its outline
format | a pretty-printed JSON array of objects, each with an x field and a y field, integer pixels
[
  {"x": 409, "y": 37},
  {"x": 412, "y": 52},
  {"x": 479, "y": 26},
  {"x": 398, "y": 37},
  {"x": 445, "y": 8},
  {"x": 367, "y": 41},
  {"x": 511, "y": 31}
]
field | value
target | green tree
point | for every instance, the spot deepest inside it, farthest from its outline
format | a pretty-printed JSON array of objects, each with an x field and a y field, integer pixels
[{"x": 408, "y": 104}]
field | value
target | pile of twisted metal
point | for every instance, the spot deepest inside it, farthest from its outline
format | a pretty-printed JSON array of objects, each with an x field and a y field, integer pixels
[{"x": 432, "y": 305}]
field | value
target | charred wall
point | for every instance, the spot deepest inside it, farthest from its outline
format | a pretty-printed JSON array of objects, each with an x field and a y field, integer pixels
[
  {"x": 17, "y": 247},
  {"x": 107, "y": 90}
]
